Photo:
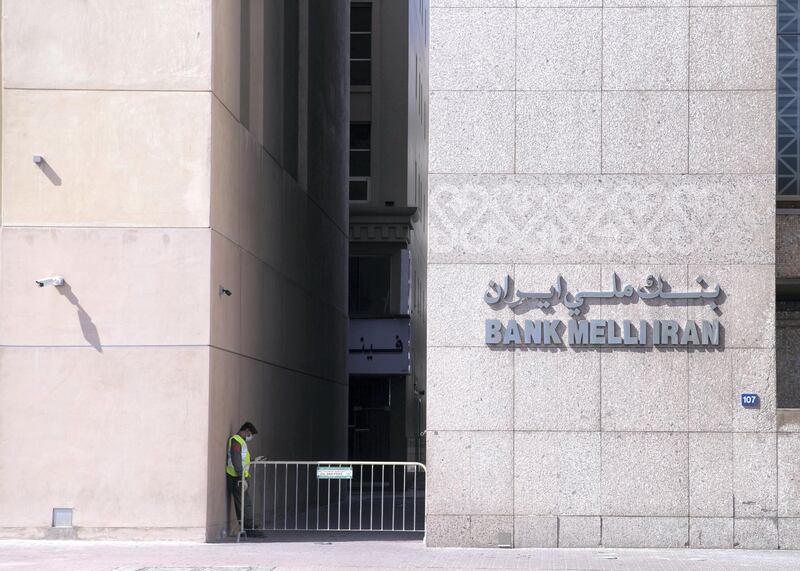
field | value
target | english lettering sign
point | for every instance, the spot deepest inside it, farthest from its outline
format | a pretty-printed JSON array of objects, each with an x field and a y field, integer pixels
[{"x": 602, "y": 332}]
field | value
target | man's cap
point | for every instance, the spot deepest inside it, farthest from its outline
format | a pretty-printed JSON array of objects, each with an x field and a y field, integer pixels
[{"x": 249, "y": 426}]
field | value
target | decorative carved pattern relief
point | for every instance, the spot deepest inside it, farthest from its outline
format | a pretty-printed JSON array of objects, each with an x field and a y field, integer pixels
[{"x": 592, "y": 219}]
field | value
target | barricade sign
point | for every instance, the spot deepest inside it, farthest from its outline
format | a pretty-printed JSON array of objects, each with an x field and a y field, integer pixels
[{"x": 334, "y": 473}]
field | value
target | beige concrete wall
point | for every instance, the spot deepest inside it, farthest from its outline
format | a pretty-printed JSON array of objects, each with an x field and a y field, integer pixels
[
  {"x": 117, "y": 434},
  {"x": 279, "y": 245},
  {"x": 104, "y": 382},
  {"x": 163, "y": 181},
  {"x": 96, "y": 44},
  {"x": 113, "y": 158},
  {"x": 583, "y": 141},
  {"x": 143, "y": 287}
]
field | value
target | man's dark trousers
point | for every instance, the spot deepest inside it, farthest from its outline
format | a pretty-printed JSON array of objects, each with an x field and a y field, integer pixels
[{"x": 236, "y": 493}]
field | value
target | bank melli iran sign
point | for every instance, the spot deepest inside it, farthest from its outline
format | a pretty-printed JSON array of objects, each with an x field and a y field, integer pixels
[{"x": 601, "y": 332}]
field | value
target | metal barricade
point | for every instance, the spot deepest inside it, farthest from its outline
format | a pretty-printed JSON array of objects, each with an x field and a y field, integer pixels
[{"x": 336, "y": 496}]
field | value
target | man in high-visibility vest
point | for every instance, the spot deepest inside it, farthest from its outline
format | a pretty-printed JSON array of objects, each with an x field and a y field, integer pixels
[{"x": 238, "y": 470}]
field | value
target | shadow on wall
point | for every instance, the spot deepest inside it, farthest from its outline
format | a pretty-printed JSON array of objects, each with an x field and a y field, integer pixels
[
  {"x": 48, "y": 171},
  {"x": 88, "y": 328}
]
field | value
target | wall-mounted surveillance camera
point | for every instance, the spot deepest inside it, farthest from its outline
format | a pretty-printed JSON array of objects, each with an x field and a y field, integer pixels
[
  {"x": 38, "y": 159},
  {"x": 227, "y": 292},
  {"x": 51, "y": 281}
]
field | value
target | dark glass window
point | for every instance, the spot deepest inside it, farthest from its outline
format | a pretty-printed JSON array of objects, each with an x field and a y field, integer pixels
[
  {"x": 360, "y": 135},
  {"x": 788, "y": 103},
  {"x": 359, "y": 190},
  {"x": 359, "y": 163},
  {"x": 360, "y": 72},
  {"x": 361, "y": 17},
  {"x": 361, "y": 44},
  {"x": 360, "y": 154},
  {"x": 370, "y": 279}
]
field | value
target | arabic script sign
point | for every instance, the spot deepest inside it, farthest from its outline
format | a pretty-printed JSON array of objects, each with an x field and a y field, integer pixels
[
  {"x": 379, "y": 346},
  {"x": 600, "y": 332},
  {"x": 652, "y": 289}
]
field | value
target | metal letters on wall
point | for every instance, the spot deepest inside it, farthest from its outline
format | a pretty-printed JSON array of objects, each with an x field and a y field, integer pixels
[{"x": 601, "y": 332}]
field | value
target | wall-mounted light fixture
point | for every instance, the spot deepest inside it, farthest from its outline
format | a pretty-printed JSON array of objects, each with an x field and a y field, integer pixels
[
  {"x": 50, "y": 281},
  {"x": 224, "y": 291}
]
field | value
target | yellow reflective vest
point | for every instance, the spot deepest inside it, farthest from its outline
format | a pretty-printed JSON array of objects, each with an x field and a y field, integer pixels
[{"x": 230, "y": 470}]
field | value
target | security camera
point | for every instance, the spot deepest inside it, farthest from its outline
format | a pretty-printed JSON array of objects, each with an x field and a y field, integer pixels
[
  {"x": 52, "y": 280},
  {"x": 224, "y": 291}
]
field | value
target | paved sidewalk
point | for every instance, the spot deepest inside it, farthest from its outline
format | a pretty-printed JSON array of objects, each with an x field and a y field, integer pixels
[{"x": 174, "y": 556}]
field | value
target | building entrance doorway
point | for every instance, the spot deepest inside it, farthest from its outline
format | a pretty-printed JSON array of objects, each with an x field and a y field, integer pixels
[{"x": 377, "y": 418}]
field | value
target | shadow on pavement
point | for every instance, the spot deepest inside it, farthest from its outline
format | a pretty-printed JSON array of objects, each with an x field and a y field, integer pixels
[{"x": 330, "y": 537}]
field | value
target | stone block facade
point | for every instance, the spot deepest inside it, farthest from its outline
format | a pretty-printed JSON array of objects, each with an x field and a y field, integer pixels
[{"x": 586, "y": 140}]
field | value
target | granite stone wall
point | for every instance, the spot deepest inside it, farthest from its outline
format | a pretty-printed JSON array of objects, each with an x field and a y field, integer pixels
[{"x": 584, "y": 138}]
